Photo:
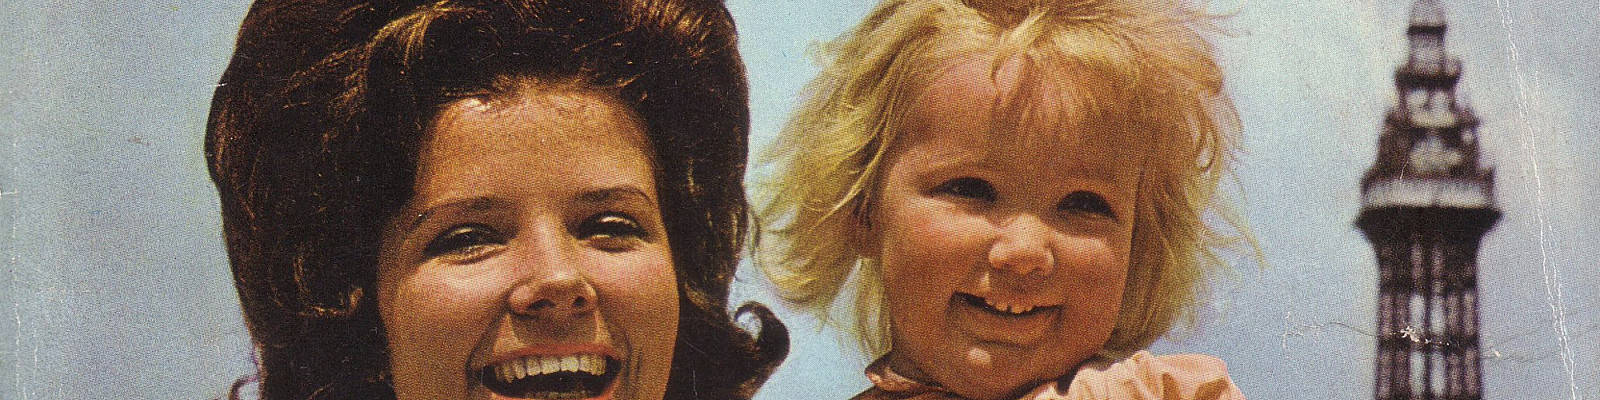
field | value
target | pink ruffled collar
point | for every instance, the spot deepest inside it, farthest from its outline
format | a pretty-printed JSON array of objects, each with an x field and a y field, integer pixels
[
  {"x": 889, "y": 385},
  {"x": 1140, "y": 376}
]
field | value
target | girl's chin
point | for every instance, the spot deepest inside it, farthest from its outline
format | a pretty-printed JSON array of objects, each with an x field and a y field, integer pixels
[
  {"x": 997, "y": 371},
  {"x": 997, "y": 390}
]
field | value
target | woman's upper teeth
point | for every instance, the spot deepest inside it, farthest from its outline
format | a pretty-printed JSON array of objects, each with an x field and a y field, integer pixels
[{"x": 593, "y": 364}]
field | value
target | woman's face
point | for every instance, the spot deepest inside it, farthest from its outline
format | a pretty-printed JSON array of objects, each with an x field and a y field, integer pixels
[
  {"x": 1004, "y": 244},
  {"x": 532, "y": 262}
]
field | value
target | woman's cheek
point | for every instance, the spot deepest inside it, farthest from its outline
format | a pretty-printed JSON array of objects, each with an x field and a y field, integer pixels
[
  {"x": 460, "y": 292},
  {"x": 434, "y": 317},
  {"x": 444, "y": 305},
  {"x": 639, "y": 303},
  {"x": 643, "y": 282}
]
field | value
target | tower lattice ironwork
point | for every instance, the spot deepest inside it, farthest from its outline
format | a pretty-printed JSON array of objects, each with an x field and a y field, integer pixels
[{"x": 1426, "y": 203}]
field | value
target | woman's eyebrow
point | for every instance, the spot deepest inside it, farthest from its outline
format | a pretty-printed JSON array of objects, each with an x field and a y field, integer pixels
[
  {"x": 416, "y": 218},
  {"x": 615, "y": 194},
  {"x": 605, "y": 195}
]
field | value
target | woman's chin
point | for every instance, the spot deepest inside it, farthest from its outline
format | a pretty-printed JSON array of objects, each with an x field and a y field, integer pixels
[
  {"x": 603, "y": 396},
  {"x": 606, "y": 394}
]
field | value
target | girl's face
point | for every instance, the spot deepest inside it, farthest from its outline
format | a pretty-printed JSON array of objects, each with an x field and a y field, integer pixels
[
  {"x": 1004, "y": 244},
  {"x": 532, "y": 262}
]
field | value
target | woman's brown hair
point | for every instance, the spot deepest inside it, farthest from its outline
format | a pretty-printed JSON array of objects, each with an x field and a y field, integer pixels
[{"x": 314, "y": 131}]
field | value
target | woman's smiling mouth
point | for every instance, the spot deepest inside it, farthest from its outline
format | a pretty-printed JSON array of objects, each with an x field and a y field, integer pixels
[{"x": 574, "y": 376}]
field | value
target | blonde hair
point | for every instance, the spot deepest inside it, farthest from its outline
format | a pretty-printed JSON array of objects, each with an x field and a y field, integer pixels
[{"x": 1155, "y": 69}]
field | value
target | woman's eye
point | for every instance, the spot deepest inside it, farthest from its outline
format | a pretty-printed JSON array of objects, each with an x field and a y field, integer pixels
[
  {"x": 463, "y": 240},
  {"x": 612, "y": 231},
  {"x": 972, "y": 188},
  {"x": 1087, "y": 203}
]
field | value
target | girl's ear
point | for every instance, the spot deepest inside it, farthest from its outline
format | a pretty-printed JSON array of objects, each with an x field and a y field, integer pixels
[{"x": 863, "y": 237}]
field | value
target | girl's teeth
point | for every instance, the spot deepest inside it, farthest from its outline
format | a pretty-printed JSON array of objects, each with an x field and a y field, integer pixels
[{"x": 1007, "y": 308}]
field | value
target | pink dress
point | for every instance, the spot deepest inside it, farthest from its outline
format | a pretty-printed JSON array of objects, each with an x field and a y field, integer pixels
[{"x": 1141, "y": 376}]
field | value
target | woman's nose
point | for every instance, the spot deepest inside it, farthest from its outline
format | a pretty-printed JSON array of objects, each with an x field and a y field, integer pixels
[
  {"x": 554, "y": 288},
  {"x": 564, "y": 297},
  {"x": 1023, "y": 247}
]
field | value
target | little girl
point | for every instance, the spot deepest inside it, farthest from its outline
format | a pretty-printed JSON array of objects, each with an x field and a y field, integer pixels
[{"x": 1018, "y": 190}]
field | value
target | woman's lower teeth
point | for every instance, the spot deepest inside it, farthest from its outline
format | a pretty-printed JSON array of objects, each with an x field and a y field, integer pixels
[
  {"x": 562, "y": 395},
  {"x": 560, "y": 385}
]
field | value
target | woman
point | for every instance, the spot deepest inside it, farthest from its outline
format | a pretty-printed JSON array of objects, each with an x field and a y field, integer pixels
[{"x": 488, "y": 199}]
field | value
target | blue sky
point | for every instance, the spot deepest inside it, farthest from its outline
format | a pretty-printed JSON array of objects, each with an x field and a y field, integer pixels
[{"x": 118, "y": 282}]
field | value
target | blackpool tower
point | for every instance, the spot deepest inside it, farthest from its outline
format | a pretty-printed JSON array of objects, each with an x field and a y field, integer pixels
[{"x": 1426, "y": 203}]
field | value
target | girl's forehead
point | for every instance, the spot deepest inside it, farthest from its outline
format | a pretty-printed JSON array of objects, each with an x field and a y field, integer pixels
[
  {"x": 994, "y": 118},
  {"x": 1015, "y": 102}
]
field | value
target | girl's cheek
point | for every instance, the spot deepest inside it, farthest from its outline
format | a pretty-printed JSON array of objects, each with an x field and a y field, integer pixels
[
  {"x": 940, "y": 224},
  {"x": 1095, "y": 259}
]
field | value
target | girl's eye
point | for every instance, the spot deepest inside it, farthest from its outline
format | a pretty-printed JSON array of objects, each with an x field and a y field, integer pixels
[
  {"x": 612, "y": 231},
  {"x": 464, "y": 240},
  {"x": 1086, "y": 203},
  {"x": 971, "y": 188}
]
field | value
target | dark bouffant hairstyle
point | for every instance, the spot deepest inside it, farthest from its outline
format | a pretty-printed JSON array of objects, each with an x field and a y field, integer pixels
[{"x": 316, "y": 124}]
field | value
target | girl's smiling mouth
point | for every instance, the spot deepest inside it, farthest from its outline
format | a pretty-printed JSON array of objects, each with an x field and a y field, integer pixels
[
  {"x": 996, "y": 321},
  {"x": 1004, "y": 308},
  {"x": 569, "y": 376}
]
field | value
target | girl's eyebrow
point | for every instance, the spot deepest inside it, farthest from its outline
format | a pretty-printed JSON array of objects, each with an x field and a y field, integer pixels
[
  {"x": 1095, "y": 169},
  {"x": 1103, "y": 162},
  {"x": 946, "y": 160},
  {"x": 1099, "y": 171}
]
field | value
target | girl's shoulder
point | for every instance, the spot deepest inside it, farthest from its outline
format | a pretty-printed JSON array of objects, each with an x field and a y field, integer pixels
[{"x": 1144, "y": 376}]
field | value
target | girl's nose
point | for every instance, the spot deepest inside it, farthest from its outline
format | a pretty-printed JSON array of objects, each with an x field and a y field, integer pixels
[{"x": 1023, "y": 247}]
